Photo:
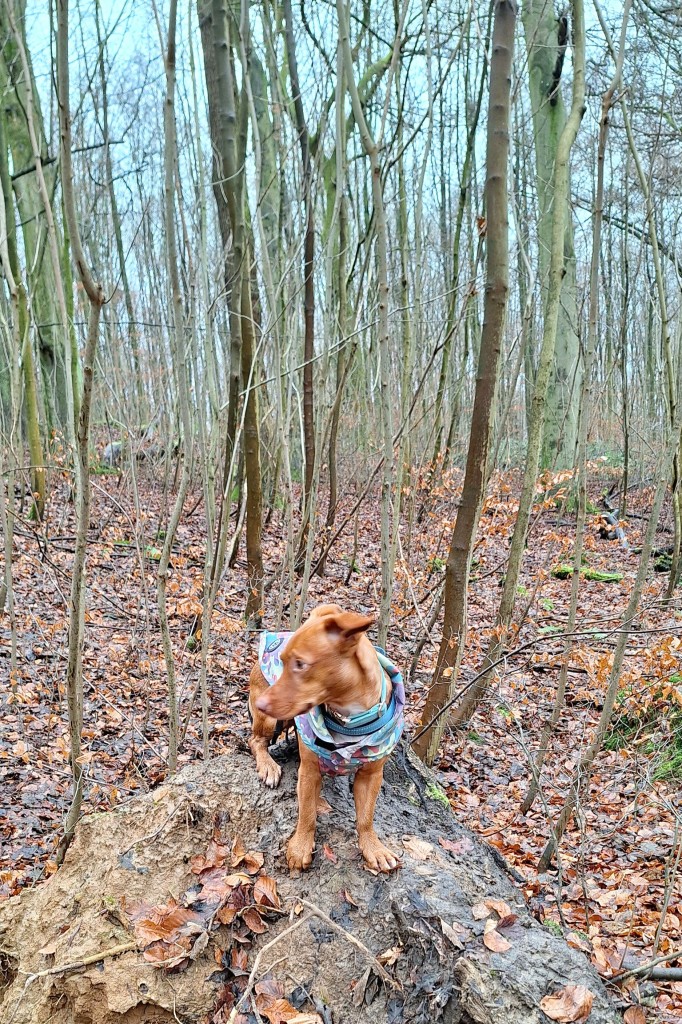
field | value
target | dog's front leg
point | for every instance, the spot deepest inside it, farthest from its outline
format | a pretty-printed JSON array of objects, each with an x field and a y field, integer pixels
[
  {"x": 262, "y": 731},
  {"x": 365, "y": 792},
  {"x": 300, "y": 846}
]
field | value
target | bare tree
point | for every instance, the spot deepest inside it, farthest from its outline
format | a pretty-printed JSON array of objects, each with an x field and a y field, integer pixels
[
  {"x": 497, "y": 287},
  {"x": 96, "y": 299}
]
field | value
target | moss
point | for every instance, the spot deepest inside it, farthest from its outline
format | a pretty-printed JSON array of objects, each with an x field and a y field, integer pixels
[
  {"x": 434, "y": 792},
  {"x": 564, "y": 572}
]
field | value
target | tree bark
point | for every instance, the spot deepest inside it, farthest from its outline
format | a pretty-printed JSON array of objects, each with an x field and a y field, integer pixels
[
  {"x": 586, "y": 404},
  {"x": 496, "y": 291},
  {"x": 23, "y": 125},
  {"x": 386, "y": 391},
  {"x": 308, "y": 279},
  {"x": 96, "y": 299},
  {"x": 24, "y": 348},
  {"x": 545, "y": 362},
  {"x": 546, "y": 43}
]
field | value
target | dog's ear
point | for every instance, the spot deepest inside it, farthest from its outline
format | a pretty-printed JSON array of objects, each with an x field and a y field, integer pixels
[
  {"x": 326, "y": 609},
  {"x": 347, "y": 627}
]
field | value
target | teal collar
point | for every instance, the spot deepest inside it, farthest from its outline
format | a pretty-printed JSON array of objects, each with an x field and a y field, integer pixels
[{"x": 377, "y": 711}]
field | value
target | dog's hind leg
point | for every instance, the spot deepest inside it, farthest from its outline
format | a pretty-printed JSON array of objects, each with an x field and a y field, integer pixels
[{"x": 262, "y": 731}]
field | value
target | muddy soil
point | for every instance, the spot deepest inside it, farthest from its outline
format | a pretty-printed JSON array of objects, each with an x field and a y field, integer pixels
[{"x": 443, "y": 971}]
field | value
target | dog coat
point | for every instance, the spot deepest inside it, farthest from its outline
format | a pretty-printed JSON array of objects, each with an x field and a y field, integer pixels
[{"x": 340, "y": 749}]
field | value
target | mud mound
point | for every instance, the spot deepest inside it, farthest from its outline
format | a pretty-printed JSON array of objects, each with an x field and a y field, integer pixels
[{"x": 453, "y": 935}]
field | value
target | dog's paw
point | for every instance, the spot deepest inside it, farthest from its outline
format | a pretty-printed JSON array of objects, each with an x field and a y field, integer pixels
[
  {"x": 377, "y": 856},
  {"x": 299, "y": 853},
  {"x": 270, "y": 773}
]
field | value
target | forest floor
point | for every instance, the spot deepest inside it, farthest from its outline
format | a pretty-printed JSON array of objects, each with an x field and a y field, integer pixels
[{"x": 619, "y": 858}]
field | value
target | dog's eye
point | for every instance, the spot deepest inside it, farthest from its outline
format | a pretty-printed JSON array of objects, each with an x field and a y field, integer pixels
[{"x": 299, "y": 666}]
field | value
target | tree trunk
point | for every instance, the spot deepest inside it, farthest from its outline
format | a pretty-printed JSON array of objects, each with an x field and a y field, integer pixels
[
  {"x": 545, "y": 362},
  {"x": 386, "y": 390},
  {"x": 308, "y": 279},
  {"x": 23, "y": 124},
  {"x": 22, "y": 333},
  {"x": 177, "y": 347},
  {"x": 96, "y": 299},
  {"x": 547, "y": 39},
  {"x": 229, "y": 124},
  {"x": 585, "y": 413},
  {"x": 452, "y": 320},
  {"x": 131, "y": 327},
  {"x": 497, "y": 287}
]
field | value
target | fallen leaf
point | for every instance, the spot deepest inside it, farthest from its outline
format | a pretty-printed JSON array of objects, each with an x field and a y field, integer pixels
[
  {"x": 463, "y": 845},
  {"x": 507, "y": 921},
  {"x": 270, "y": 986},
  {"x": 280, "y": 1011},
  {"x": 252, "y": 918},
  {"x": 216, "y": 855},
  {"x": 494, "y": 941},
  {"x": 162, "y": 954},
  {"x": 390, "y": 956},
  {"x": 329, "y": 854},
  {"x": 265, "y": 892},
  {"x": 479, "y": 911},
  {"x": 419, "y": 848},
  {"x": 161, "y": 923},
  {"x": 571, "y": 1003},
  {"x": 360, "y": 987},
  {"x": 253, "y": 861},
  {"x": 238, "y": 852},
  {"x": 453, "y": 932},
  {"x": 238, "y": 960},
  {"x": 348, "y": 898},
  {"x": 634, "y": 1015},
  {"x": 578, "y": 941},
  {"x": 215, "y": 886},
  {"x": 502, "y": 908}
]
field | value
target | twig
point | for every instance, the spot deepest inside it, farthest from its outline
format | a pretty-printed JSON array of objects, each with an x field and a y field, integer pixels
[
  {"x": 313, "y": 911},
  {"x": 256, "y": 964},
  {"x": 645, "y": 968},
  {"x": 385, "y": 977},
  {"x": 666, "y": 974},
  {"x": 159, "y": 830},
  {"x": 255, "y": 1010},
  {"x": 94, "y": 958}
]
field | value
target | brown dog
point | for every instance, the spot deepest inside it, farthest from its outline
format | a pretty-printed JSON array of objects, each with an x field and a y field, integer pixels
[{"x": 332, "y": 678}]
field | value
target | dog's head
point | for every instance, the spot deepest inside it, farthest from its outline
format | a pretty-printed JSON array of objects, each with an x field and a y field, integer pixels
[{"x": 323, "y": 662}]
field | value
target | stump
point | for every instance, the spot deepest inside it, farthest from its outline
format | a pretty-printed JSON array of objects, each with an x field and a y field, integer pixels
[{"x": 435, "y": 965}]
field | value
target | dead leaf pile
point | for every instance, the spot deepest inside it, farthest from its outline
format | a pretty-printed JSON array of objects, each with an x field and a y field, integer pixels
[{"x": 174, "y": 933}]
